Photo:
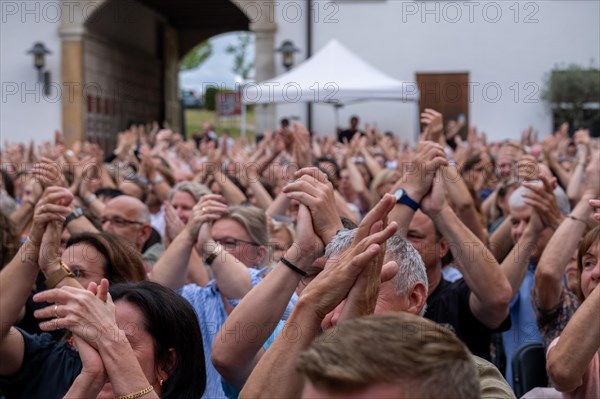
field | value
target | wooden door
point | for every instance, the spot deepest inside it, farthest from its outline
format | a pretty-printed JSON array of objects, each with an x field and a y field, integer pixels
[{"x": 447, "y": 93}]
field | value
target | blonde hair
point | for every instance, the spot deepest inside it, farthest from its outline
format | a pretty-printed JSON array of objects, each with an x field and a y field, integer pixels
[
  {"x": 196, "y": 190},
  {"x": 379, "y": 179},
  {"x": 254, "y": 221},
  {"x": 425, "y": 359}
]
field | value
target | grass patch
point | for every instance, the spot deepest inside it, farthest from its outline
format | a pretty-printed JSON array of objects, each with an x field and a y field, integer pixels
[{"x": 194, "y": 118}]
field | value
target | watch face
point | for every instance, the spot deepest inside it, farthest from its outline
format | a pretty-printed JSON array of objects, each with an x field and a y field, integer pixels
[{"x": 399, "y": 194}]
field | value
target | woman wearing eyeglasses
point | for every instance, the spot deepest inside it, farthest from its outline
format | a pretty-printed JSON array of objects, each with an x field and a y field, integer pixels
[
  {"x": 233, "y": 242},
  {"x": 35, "y": 365}
]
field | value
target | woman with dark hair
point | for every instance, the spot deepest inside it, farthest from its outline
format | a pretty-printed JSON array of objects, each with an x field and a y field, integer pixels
[
  {"x": 120, "y": 262},
  {"x": 88, "y": 259},
  {"x": 147, "y": 342}
]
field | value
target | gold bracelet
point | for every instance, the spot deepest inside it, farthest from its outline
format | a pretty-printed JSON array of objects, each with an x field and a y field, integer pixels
[{"x": 137, "y": 394}]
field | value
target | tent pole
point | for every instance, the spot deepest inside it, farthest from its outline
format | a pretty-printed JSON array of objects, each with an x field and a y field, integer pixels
[{"x": 243, "y": 127}]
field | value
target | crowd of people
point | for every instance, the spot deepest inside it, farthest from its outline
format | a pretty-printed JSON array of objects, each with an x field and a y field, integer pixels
[{"x": 298, "y": 265}]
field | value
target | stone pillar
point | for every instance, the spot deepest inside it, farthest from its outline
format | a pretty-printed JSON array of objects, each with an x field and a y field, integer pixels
[
  {"x": 264, "y": 69},
  {"x": 262, "y": 24},
  {"x": 171, "y": 79},
  {"x": 73, "y": 104},
  {"x": 72, "y": 31}
]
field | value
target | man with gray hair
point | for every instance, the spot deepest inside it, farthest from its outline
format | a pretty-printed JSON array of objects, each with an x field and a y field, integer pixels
[
  {"x": 409, "y": 280},
  {"x": 367, "y": 270}
]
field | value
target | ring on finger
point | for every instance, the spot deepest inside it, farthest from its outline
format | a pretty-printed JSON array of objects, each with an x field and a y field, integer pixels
[
  {"x": 203, "y": 209},
  {"x": 56, "y": 312}
]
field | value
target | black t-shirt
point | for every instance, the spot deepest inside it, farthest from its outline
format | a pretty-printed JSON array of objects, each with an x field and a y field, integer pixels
[
  {"x": 348, "y": 134},
  {"x": 448, "y": 305},
  {"x": 49, "y": 368}
]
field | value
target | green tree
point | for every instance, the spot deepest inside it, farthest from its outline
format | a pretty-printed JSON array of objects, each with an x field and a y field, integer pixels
[
  {"x": 241, "y": 65},
  {"x": 569, "y": 90},
  {"x": 196, "y": 56}
]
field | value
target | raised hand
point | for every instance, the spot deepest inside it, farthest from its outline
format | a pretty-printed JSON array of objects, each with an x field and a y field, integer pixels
[
  {"x": 417, "y": 179},
  {"x": 312, "y": 189},
  {"x": 434, "y": 124},
  {"x": 542, "y": 199},
  {"x": 80, "y": 311},
  {"x": 48, "y": 173},
  {"x": 595, "y": 203},
  {"x": 336, "y": 280},
  {"x": 435, "y": 200},
  {"x": 173, "y": 224},
  {"x": 592, "y": 175},
  {"x": 210, "y": 208}
]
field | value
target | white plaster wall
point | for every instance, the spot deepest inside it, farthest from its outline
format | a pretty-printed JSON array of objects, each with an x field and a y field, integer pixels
[
  {"x": 26, "y": 114},
  {"x": 498, "y": 50}
]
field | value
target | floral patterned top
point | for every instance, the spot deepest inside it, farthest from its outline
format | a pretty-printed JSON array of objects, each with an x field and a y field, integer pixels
[{"x": 552, "y": 322}]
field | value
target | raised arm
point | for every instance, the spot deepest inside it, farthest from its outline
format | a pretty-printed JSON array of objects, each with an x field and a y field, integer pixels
[
  {"x": 233, "y": 195},
  {"x": 551, "y": 267},
  {"x": 171, "y": 269},
  {"x": 275, "y": 375},
  {"x": 263, "y": 306},
  {"x": 19, "y": 275},
  {"x": 568, "y": 362},
  {"x": 490, "y": 291},
  {"x": 459, "y": 194},
  {"x": 416, "y": 181}
]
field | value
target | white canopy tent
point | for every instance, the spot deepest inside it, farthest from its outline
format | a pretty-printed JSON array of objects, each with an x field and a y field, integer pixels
[{"x": 333, "y": 75}]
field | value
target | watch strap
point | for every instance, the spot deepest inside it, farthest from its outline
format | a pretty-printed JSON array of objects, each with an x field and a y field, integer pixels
[
  {"x": 58, "y": 275},
  {"x": 406, "y": 200},
  {"x": 73, "y": 215}
]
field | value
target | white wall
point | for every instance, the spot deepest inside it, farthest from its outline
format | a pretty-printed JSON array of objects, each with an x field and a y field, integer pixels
[
  {"x": 26, "y": 114},
  {"x": 401, "y": 39}
]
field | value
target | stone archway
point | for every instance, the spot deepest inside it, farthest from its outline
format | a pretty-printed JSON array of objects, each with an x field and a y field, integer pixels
[{"x": 130, "y": 50}]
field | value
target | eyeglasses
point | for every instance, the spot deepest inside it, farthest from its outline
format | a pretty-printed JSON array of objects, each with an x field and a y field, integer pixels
[
  {"x": 120, "y": 222},
  {"x": 232, "y": 243},
  {"x": 81, "y": 273}
]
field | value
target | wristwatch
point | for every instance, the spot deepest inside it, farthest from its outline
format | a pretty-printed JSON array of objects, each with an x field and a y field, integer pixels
[
  {"x": 58, "y": 275},
  {"x": 77, "y": 212},
  {"x": 403, "y": 198}
]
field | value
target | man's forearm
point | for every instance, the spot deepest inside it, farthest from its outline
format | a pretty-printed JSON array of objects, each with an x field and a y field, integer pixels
[
  {"x": 263, "y": 307},
  {"x": 171, "y": 268},
  {"x": 480, "y": 270},
  {"x": 16, "y": 281},
  {"x": 275, "y": 375},
  {"x": 515, "y": 264},
  {"x": 231, "y": 275}
]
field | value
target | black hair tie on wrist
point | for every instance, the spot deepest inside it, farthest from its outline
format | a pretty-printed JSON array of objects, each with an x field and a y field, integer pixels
[{"x": 293, "y": 267}]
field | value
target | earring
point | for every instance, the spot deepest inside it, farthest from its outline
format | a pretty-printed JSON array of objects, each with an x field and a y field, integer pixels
[{"x": 161, "y": 382}]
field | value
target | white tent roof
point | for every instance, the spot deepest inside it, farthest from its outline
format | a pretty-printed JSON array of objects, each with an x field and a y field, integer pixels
[{"x": 333, "y": 75}]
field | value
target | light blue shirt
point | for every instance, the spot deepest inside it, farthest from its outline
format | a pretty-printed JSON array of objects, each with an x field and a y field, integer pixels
[
  {"x": 524, "y": 329},
  {"x": 211, "y": 313}
]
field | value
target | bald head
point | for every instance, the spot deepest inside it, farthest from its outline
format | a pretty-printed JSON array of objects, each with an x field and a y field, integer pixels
[
  {"x": 135, "y": 209},
  {"x": 127, "y": 217}
]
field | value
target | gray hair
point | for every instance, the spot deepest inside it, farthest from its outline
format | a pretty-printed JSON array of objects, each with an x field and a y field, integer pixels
[
  {"x": 516, "y": 200},
  {"x": 411, "y": 269},
  {"x": 196, "y": 190}
]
